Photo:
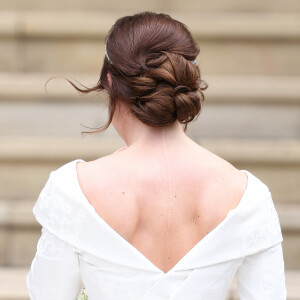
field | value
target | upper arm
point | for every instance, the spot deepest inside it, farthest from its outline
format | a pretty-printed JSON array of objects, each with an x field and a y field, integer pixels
[
  {"x": 261, "y": 275},
  {"x": 54, "y": 271}
]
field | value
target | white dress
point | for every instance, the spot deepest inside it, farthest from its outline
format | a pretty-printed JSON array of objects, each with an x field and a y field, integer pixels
[{"x": 77, "y": 249}]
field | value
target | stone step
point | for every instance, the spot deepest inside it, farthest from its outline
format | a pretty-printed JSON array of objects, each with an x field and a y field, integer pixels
[
  {"x": 74, "y": 42},
  {"x": 13, "y": 283},
  {"x": 232, "y": 109},
  {"x": 276, "y": 162},
  {"x": 19, "y": 232},
  {"x": 131, "y": 6},
  {"x": 33, "y": 87}
]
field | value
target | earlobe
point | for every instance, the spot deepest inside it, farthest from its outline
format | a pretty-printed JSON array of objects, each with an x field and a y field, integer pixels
[{"x": 109, "y": 79}]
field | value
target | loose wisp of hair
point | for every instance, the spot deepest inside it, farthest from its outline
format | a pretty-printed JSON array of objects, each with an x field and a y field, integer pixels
[{"x": 151, "y": 58}]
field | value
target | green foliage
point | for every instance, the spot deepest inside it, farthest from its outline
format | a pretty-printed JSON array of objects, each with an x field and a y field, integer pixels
[{"x": 83, "y": 295}]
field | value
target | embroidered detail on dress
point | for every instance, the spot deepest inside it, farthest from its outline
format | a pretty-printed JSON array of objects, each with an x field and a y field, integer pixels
[
  {"x": 49, "y": 248},
  {"x": 59, "y": 214},
  {"x": 268, "y": 228}
]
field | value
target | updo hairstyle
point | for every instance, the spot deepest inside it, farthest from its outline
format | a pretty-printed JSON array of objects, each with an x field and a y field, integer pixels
[{"x": 151, "y": 58}]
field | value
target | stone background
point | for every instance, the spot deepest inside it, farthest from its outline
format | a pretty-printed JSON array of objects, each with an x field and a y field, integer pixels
[{"x": 251, "y": 116}]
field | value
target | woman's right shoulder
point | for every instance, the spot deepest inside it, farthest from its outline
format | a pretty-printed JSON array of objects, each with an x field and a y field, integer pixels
[{"x": 211, "y": 163}]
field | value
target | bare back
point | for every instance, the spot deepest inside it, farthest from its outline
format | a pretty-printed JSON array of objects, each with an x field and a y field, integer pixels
[{"x": 162, "y": 203}]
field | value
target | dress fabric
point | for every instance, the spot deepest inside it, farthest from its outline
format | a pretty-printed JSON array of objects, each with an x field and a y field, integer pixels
[{"x": 77, "y": 249}]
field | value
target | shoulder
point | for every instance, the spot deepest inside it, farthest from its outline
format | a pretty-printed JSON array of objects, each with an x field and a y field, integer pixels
[
  {"x": 103, "y": 167},
  {"x": 219, "y": 174},
  {"x": 223, "y": 170},
  {"x": 254, "y": 217},
  {"x": 228, "y": 183},
  {"x": 59, "y": 207},
  {"x": 59, "y": 190}
]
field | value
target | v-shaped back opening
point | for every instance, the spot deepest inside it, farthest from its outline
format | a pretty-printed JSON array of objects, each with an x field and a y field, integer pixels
[{"x": 98, "y": 218}]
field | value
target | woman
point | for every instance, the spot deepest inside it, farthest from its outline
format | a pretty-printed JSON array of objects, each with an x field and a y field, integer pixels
[{"x": 162, "y": 218}]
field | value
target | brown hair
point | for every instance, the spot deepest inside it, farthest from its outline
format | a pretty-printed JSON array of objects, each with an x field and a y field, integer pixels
[{"x": 150, "y": 64}]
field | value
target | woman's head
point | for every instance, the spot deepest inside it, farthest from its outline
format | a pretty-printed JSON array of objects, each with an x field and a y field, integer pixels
[{"x": 150, "y": 60}]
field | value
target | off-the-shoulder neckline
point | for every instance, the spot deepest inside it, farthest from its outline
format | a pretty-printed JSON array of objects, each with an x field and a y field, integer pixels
[{"x": 128, "y": 244}]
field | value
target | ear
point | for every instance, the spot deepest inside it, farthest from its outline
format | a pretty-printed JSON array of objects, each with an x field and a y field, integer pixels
[{"x": 109, "y": 79}]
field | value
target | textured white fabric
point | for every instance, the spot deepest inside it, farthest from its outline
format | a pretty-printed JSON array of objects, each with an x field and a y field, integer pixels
[{"x": 78, "y": 248}]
